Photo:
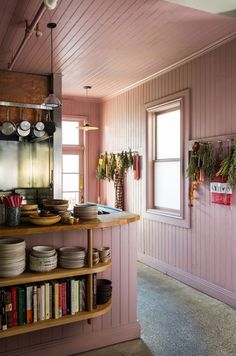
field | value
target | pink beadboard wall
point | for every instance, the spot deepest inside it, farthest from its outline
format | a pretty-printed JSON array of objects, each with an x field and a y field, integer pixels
[
  {"x": 75, "y": 106},
  {"x": 205, "y": 255}
]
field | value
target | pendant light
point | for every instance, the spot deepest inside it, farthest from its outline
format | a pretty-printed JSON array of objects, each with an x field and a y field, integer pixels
[
  {"x": 87, "y": 126},
  {"x": 52, "y": 100}
]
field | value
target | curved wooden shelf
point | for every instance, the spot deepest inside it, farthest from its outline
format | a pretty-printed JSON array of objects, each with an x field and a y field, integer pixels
[
  {"x": 67, "y": 319},
  {"x": 31, "y": 277},
  {"x": 103, "y": 221}
]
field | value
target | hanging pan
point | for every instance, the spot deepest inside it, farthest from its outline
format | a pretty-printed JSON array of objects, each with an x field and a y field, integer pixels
[
  {"x": 50, "y": 126},
  {"x": 39, "y": 130},
  {"x": 22, "y": 129},
  {"x": 8, "y": 127}
]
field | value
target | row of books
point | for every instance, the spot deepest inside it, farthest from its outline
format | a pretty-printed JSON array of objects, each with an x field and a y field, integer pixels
[{"x": 26, "y": 304}]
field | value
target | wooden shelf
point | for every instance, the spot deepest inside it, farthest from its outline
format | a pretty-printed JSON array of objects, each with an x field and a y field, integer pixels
[
  {"x": 103, "y": 221},
  {"x": 31, "y": 277},
  {"x": 101, "y": 310}
]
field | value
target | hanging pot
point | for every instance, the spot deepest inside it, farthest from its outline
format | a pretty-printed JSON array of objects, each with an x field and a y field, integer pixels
[
  {"x": 21, "y": 129},
  {"x": 39, "y": 126},
  {"x": 50, "y": 126},
  {"x": 24, "y": 125},
  {"x": 8, "y": 127}
]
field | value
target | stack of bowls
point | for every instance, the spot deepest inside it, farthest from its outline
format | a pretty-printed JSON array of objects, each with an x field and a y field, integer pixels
[
  {"x": 86, "y": 211},
  {"x": 55, "y": 205},
  {"x": 12, "y": 257},
  {"x": 27, "y": 210},
  {"x": 72, "y": 257},
  {"x": 104, "y": 254},
  {"x": 42, "y": 258},
  {"x": 95, "y": 256},
  {"x": 104, "y": 291}
]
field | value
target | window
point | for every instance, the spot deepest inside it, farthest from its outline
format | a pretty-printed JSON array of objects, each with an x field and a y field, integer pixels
[
  {"x": 167, "y": 154},
  {"x": 72, "y": 160}
]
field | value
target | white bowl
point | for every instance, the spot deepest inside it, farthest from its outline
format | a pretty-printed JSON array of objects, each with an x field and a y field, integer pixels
[{"x": 43, "y": 251}]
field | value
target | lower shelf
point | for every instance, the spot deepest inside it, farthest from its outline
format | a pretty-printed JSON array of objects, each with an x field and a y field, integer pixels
[{"x": 45, "y": 324}]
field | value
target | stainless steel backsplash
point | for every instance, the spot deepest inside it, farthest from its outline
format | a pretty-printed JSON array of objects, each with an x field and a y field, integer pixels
[{"x": 26, "y": 165}]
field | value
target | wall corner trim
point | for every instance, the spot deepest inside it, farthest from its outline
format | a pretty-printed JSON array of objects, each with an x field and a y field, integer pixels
[{"x": 211, "y": 289}]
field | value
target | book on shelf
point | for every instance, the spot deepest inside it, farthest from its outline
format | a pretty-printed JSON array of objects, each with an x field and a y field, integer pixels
[
  {"x": 95, "y": 291},
  {"x": 55, "y": 294},
  {"x": 3, "y": 310},
  {"x": 64, "y": 298},
  {"x": 8, "y": 308},
  {"x": 29, "y": 304},
  {"x": 35, "y": 303},
  {"x": 14, "y": 293},
  {"x": 21, "y": 305},
  {"x": 47, "y": 301}
]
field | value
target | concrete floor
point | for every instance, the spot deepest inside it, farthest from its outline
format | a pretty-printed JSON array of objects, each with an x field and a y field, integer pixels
[{"x": 177, "y": 320}]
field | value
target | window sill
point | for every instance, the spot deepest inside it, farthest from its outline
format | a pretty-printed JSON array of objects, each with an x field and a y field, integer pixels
[{"x": 165, "y": 217}]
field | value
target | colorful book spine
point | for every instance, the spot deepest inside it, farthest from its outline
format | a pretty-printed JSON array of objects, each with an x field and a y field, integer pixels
[
  {"x": 8, "y": 308},
  {"x": 35, "y": 304},
  {"x": 68, "y": 296},
  {"x": 64, "y": 299},
  {"x": 55, "y": 300},
  {"x": 83, "y": 294},
  {"x": 76, "y": 298},
  {"x": 42, "y": 302},
  {"x": 94, "y": 291},
  {"x": 21, "y": 305},
  {"x": 59, "y": 300},
  {"x": 72, "y": 296},
  {"x": 14, "y": 292},
  {"x": 50, "y": 302},
  {"x": 47, "y": 301},
  {"x": 29, "y": 304},
  {"x": 3, "y": 311}
]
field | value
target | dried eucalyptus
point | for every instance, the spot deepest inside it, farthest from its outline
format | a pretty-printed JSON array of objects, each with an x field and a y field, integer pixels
[{"x": 208, "y": 160}]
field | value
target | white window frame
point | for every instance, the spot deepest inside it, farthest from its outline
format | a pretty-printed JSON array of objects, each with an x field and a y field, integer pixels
[
  {"x": 80, "y": 150},
  {"x": 181, "y": 218}
]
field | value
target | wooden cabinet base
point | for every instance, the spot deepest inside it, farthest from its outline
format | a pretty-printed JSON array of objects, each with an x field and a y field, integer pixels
[{"x": 68, "y": 319}]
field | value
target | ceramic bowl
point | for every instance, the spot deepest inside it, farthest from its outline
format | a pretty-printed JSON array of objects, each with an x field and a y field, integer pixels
[{"x": 43, "y": 251}]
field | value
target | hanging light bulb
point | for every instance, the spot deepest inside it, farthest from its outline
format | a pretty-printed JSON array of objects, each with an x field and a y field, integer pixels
[
  {"x": 87, "y": 126},
  {"x": 52, "y": 101}
]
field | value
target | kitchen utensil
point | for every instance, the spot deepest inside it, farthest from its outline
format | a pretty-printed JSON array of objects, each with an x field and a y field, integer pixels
[
  {"x": 23, "y": 128},
  {"x": 50, "y": 126},
  {"x": 24, "y": 125},
  {"x": 38, "y": 130},
  {"x": 39, "y": 126},
  {"x": 8, "y": 127}
]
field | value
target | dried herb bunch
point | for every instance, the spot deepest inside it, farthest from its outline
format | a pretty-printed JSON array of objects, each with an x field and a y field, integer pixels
[
  {"x": 109, "y": 163},
  {"x": 228, "y": 167},
  {"x": 202, "y": 158}
]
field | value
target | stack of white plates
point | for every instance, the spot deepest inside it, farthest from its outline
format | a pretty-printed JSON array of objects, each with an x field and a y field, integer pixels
[
  {"x": 12, "y": 257},
  {"x": 42, "y": 258},
  {"x": 86, "y": 211},
  {"x": 72, "y": 257}
]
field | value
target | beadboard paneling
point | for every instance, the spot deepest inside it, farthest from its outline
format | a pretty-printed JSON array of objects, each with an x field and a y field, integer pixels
[{"x": 207, "y": 250}]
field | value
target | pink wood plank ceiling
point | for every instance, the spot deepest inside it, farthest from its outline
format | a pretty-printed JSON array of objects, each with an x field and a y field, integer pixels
[{"x": 109, "y": 44}]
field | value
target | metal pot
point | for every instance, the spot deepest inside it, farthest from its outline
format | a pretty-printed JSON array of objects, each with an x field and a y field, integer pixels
[
  {"x": 39, "y": 126},
  {"x": 22, "y": 129},
  {"x": 8, "y": 127}
]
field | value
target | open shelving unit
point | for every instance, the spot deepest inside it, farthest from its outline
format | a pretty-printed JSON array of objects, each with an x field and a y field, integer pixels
[{"x": 58, "y": 273}]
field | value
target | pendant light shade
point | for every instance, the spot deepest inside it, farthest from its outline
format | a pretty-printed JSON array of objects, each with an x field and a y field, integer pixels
[
  {"x": 87, "y": 126},
  {"x": 52, "y": 101}
]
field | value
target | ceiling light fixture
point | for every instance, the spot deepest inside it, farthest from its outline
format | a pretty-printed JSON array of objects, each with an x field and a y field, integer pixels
[
  {"x": 87, "y": 126},
  {"x": 50, "y": 4},
  {"x": 52, "y": 100}
]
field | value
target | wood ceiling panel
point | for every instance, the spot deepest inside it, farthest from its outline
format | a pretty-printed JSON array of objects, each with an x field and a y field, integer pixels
[{"x": 109, "y": 44}]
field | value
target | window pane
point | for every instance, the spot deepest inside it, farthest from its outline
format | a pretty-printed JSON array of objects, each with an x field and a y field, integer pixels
[
  {"x": 167, "y": 185},
  {"x": 168, "y": 135},
  {"x": 70, "y": 133},
  {"x": 70, "y": 164},
  {"x": 72, "y": 197},
  {"x": 70, "y": 182}
]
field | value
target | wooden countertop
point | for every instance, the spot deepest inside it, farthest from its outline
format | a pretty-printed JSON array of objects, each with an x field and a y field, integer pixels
[{"x": 106, "y": 220}]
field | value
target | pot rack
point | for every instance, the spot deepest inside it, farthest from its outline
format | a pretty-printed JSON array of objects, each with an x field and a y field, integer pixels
[{"x": 24, "y": 105}]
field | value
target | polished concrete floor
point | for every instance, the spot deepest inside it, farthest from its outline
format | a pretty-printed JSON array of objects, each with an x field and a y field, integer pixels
[{"x": 177, "y": 320}]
